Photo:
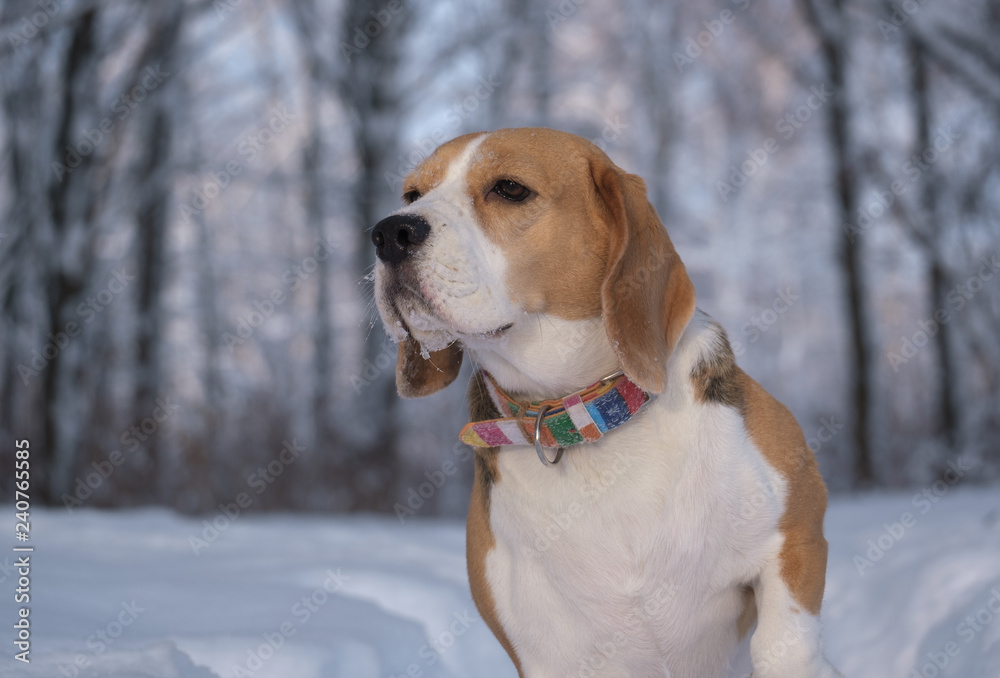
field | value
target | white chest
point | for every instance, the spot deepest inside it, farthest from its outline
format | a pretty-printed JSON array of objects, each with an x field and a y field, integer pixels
[{"x": 629, "y": 557}]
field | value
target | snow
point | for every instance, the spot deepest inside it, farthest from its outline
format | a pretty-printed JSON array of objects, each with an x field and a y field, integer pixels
[{"x": 367, "y": 597}]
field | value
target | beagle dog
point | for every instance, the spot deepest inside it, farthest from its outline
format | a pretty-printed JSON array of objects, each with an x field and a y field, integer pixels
[{"x": 640, "y": 505}]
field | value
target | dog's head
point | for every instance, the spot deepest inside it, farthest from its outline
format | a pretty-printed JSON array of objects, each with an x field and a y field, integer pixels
[{"x": 530, "y": 248}]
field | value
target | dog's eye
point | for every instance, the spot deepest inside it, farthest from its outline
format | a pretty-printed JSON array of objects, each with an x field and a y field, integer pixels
[
  {"x": 411, "y": 197},
  {"x": 511, "y": 190}
]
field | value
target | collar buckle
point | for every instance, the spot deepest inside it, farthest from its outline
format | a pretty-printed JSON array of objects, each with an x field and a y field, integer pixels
[{"x": 538, "y": 439}]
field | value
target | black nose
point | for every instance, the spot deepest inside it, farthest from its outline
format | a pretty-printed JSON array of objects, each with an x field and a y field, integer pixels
[{"x": 396, "y": 236}]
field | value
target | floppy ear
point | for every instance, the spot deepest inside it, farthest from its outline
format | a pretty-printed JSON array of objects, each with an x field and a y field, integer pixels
[
  {"x": 647, "y": 297},
  {"x": 417, "y": 376}
]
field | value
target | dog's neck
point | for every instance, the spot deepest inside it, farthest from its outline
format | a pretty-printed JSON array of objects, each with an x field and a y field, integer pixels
[{"x": 544, "y": 357}]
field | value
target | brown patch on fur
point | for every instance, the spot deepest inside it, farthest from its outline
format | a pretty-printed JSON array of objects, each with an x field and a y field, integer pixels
[
  {"x": 479, "y": 540},
  {"x": 775, "y": 432},
  {"x": 555, "y": 242},
  {"x": 749, "y": 615},
  {"x": 417, "y": 376},
  {"x": 647, "y": 296},
  {"x": 716, "y": 377}
]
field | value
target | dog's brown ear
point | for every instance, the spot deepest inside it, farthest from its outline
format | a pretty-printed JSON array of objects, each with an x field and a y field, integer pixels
[
  {"x": 417, "y": 376},
  {"x": 647, "y": 297}
]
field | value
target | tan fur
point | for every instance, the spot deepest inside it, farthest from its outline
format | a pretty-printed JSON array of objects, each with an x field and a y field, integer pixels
[
  {"x": 773, "y": 429},
  {"x": 775, "y": 432},
  {"x": 562, "y": 216},
  {"x": 647, "y": 296},
  {"x": 479, "y": 539},
  {"x": 417, "y": 376},
  {"x": 717, "y": 379}
]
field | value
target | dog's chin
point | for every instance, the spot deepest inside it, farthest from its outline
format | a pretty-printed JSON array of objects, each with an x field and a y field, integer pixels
[
  {"x": 405, "y": 317},
  {"x": 433, "y": 340}
]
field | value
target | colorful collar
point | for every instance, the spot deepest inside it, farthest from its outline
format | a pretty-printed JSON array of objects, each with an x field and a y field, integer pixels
[{"x": 581, "y": 417}]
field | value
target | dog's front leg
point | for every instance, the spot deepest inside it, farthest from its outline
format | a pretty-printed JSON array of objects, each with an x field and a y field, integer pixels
[{"x": 787, "y": 642}]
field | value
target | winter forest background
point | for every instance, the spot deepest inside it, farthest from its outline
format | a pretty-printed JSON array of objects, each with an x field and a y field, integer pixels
[{"x": 187, "y": 188}]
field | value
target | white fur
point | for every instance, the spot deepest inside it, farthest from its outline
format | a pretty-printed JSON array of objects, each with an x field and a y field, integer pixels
[
  {"x": 648, "y": 519},
  {"x": 460, "y": 272},
  {"x": 543, "y": 355},
  {"x": 629, "y": 557}
]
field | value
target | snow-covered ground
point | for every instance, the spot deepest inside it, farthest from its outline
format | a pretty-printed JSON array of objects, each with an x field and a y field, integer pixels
[{"x": 913, "y": 591}]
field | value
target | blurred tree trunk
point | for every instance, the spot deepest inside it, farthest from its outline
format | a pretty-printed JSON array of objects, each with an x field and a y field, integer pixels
[
  {"x": 151, "y": 233},
  {"x": 928, "y": 241},
  {"x": 524, "y": 49},
  {"x": 198, "y": 485},
  {"x": 155, "y": 188},
  {"x": 829, "y": 23},
  {"x": 375, "y": 99},
  {"x": 315, "y": 185},
  {"x": 72, "y": 201},
  {"x": 655, "y": 26},
  {"x": 22, "y": 104},
  {"x": 536, "y": 51}
]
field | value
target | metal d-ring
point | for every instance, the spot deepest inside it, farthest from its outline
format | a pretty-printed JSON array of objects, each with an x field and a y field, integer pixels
[
  {"x": 612, "y": 376},
  {"x": 538, "y": 440}
]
